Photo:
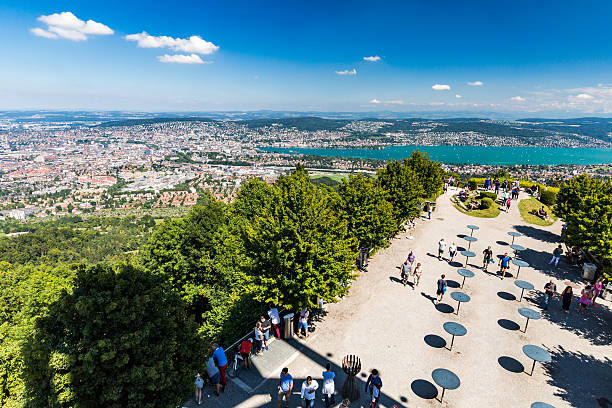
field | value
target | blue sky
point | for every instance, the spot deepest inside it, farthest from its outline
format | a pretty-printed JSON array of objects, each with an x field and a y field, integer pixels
[{"x": 521, "y": 56}]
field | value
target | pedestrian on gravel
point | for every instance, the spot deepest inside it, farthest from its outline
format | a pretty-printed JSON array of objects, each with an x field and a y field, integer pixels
[
  {"x": 487, "y": 259},
  {"x": 258, "y": 338},
  {"x": 406, "y": 271},
  {"x": 265, "y": 329},
  {"x": 566, "y": 298},
  {"x": 556, "y": 255},
  {"x": 199, "y": 383},
  {"x": 309, "y": 388},
  {"x": 220, "y": 360},
  {"x": 597, "y": 290},
  {"x": 329, "y": 387},
  {"x": 441, "y": 248},
  {"x": 441, "y": 288},
  {"x": 373, "y": 381},
  {"x": 585, "y": 300},
  {"x": 504, "y": 263},
  {"x": 275, "y": 320},
  {"x": 416, "y": 275},
  {"x": 452, "y": 251},
  {"x": 550, "y": 290},
  {"x": 285, "y": 386},
  {"x": 214, "y": 375},
  {"x": 411, "y": 257},
  {"x": 303, "y": 322}
]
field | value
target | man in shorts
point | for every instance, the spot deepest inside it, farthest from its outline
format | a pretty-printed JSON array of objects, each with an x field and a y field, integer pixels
[
  {"x": 285, "y": 386},
  {"x": 504, "y": 263},
  {"x": 441, "y": 288},
  {"x": 441, "y": 249},
  {"x": 488, "y": 258},
  {"x": 213, "y": 375},
  {"x": 245, "y": 352}
]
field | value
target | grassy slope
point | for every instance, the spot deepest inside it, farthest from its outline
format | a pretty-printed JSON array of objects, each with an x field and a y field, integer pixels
[
  {"x": 532, "y": 204},
  {"x": 488, "y": 213}
]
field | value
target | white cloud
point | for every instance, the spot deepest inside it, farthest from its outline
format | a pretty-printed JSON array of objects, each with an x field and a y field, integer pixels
[
  {"x": 440, "y": 87},
  {"x": 347, "y": 72},
  {"x": 475, "y": 83},
  {"x": 517, "y": 99},
  {"x": 67, "y": 25},
  {"x": 457, "y": 96},
  {"x": 374, "y": 58},
  {"x": 194, "y": 44},
  {"x": 183, "y": 59},
  {"x": 397, "y": 102},
  {"x": 584, "y": 96},
  {"x": 374, "y": 100}
]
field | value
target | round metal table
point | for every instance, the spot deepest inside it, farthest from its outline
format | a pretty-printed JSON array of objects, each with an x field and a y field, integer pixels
[
  {"x": 454, "y": 329},
  {"x": 472, "y": 229},
  {"x": 536, "y": 353},
  {"x": 523, "y": 285},
  {"x": 470, "y": 240},
  {"x": 445, "y": 379},
  {"x": 541, "y": 405},
  {"x": 514, "y": 234},
  {"x": 466, "y": 273},
  {"x": 467, "y": 254},
  {"x": 517, "y": 248},
  {"x": 519, "y": 263},
  {"x": 460, "y": 297},
  {"x": 529, "y": 314}
]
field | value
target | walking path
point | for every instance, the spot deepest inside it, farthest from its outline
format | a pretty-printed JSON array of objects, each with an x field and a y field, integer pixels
[{"x": 400, "y": 331}]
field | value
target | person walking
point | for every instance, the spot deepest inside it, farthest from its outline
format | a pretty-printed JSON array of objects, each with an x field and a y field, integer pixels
[
  {"x": 550, "y": 290},
  {"x": 566, "y": 298},
  {"x": 411, "y": 257},
  {"x": 556, "y": 255},
  {"x": 487, "y": 258},
  {"x": 258, "y": 338},
  {"x": 275, "y": 320},
  {"x": 285, "y": 386},
  {"x": 504, "y": 263},
  {"x": 597, "y": 291},
  {"x": 220, "y": 360},
  {"x": 585, "y": 300},
  {"x": 214, "y": 375},
  {"x": 406, "y": 271},
  {"x": 441, "y": 248},
  {"x": 373, "y": 381},
  {"x": 199, "y": 383},
  {"x": 309, "y": 388},
  {"x": 329, "y": 387},
  {"x": 452, "y": 251},
  {"x": 416, "y": 275},
  {"x": 441, "y": 288},
  {"x": 303, "y": 322}
]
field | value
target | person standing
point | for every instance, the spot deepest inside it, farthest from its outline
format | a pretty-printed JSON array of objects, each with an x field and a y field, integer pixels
[
  {"x": 258, "y": 338},
  {"x": 416, "y": 275},
  {"x": 441, "y": 248},
  {"x": 308, "y": 393},
  {"x": 303, "y": 322},
  {"x": 373, "y": 381},
  {"x": 585, "y": 300},
  {"x": 566, "y": 299},
  {"x": 487, "y": 259},
  {"x": 214, "y": 375},
  {"x": 285, "y": 386},
  {"x": 220, "y": 360},
  {"x": 556, "y": 255},
  {"x": 375, "y": 395},
  {"x": 329, "y": 387},
  {"x": 597, "y": 290},
  {"x": 275, "y": 320},
  {"x": 265, "y": 329},
  {"x": 504, "y": 263},
  {"x": 550, "y": 289},
  {"x": 441, "y": 288},
  {"x": 452, "y": 251},
  {"x": 406, "y": 271},
  {"x": 245, "y": 352},
  {"x": 199, "y": 383}
]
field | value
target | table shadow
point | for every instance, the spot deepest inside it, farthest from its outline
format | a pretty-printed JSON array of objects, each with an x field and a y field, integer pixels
[
  {"x": 424, "y": 389},
  {"x": 511, "y": 364},
  {"x": 444, "y": 308},
  {"x": 503, "y": 243},
  {"x": 506, "y": 295},
  {"x": 452, "y": 284},
  {"x": 435, "y": 341},
  {"x": 508, "y": 324}
]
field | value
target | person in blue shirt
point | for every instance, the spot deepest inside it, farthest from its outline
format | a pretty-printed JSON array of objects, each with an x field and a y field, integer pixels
[
  {"x": 221, "y": 362},
  {"x": 504, "y": 263},
  {"x": 373, "y": 381},
  {"x": 285, "y": 386},
  {"x": 329, "y": 388}
]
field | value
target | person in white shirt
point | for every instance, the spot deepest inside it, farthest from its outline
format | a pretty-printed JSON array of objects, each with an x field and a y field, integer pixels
[
  {"x": 308, "y": 392},
  {"x": 452, "y": 250},
  {"x": 441, "y": 248},
  {"x": 275, "y": 320}
]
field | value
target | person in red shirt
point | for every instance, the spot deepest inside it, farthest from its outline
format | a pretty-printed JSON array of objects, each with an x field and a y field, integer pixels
[{"x": 245, "y": 352}]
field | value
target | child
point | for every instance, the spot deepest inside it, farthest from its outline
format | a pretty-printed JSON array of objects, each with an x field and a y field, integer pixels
[{"x": 584, "y": 301}]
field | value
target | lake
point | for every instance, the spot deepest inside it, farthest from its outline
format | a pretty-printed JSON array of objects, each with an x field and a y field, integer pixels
[{"x": 496, "y": 155}]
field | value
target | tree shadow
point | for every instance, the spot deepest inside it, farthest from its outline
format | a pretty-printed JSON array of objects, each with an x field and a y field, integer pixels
[
  {"x": 539, "y": 260},
  {"x": 444, "y": 308},
  {"x": 424, "y": 389},
  {"x": 511, "y": 364},
  {"x": 435, "y": 341},
  {"x": 506, "y": 296},
  {"x": 580, "y": 379},
  {"x": 429, "y": 297},
  {"x": 508, "y": 324},
  {"x": 452, "y": 284},
  {"x": 538, "y": 233}
]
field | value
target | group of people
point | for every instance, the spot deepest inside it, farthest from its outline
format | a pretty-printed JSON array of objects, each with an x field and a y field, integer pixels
[
  {"x": 309, "y": 389},
  {"x": 408, "y": 270},
  {"x": 588, "y": 295}
]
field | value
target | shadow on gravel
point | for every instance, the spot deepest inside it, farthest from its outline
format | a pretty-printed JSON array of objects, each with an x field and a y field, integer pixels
[
  {"x": 424, "y": 389},
  {"x": 455, "y": 264},
  {"x": 444, "y": 308},
  {"x": 503, "y": 243},
  {"x": 506, "y": 296},
  {"x": 461, "y": 236},
  {"x": 538, "y": 233},
  {"x": 511, "y": 364},
  {"x": 508, "y": 324},
  {"x": 429, "y": 297},
  {"x": 452, "y": 284},
  {"x": 435, "y": 341},
  {"x": 580, "y": 379},
  {"x": 539, "y": 260}
]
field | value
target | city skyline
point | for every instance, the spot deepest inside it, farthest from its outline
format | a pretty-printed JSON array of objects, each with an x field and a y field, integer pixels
[{"x": 547, "y": 58}]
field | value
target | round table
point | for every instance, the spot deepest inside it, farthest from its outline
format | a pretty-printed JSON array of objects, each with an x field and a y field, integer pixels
[
  {"x": 445, "y": 379},
  {"x": 514, "y": 234},
  {"x": 473, "y": 228},
  {"x": 519, "y": 263},
  {"x": 454, "y": 329},
  {"x": 466, "y": 273},
  {"x": 470, "y": 240},
  {"x": 460, "y": 297},
  {"x": 541, "y": 405},
  {"x": 536, "y": 354},
  {"x": 523, "y": 285},
  {"x": 467, "y": 254},
  {"x": 517, "y": 248},
  {"x": 529, "y": 314}
]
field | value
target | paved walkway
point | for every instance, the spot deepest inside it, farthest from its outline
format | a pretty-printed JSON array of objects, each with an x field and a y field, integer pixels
[{"x": 399, "y": 331}]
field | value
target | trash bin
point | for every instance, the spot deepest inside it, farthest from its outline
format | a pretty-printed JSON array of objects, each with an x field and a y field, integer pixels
[
  {"x": 588, "y": 271},
  {"x": 607, "y": 295},
  {"x": 288, "y": 326}
]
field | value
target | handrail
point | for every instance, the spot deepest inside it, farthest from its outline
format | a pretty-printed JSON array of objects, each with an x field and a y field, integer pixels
[{"x": 250, "y": 333}]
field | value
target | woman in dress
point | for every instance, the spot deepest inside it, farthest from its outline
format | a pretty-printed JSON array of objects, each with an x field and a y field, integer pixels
[
  {"x": 566, "y": 298},
  {"x": 329, "y": 387}
]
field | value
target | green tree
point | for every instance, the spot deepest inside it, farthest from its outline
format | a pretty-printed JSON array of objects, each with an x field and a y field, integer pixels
[
  {"x": 403, "y": 189},
  {"x": 298, "y": 246},
  {"x": 120, "y": 338},
  {"x": 369, "y": 216},
  {"x": 428, "y": 172}
]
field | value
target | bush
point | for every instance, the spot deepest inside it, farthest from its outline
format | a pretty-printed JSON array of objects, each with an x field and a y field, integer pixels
[
  {"x": 548, "y": 197},
  {"x": 472, "y": 184},
  {"x": 486, "y": 203},
  {"x": 488, "y": 194}
]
